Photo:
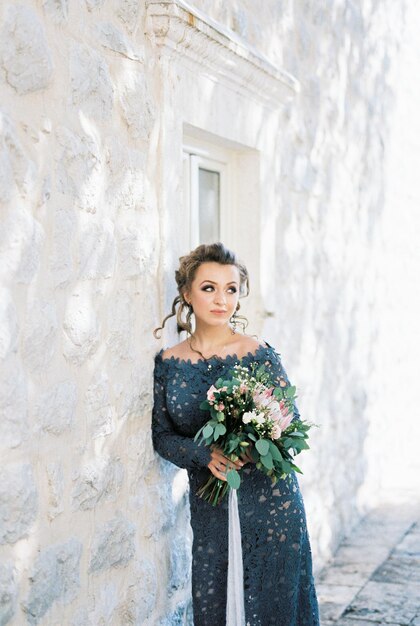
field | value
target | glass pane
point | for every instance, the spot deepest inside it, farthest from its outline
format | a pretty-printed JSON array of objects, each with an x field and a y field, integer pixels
[{"x": 209, "y": 205}]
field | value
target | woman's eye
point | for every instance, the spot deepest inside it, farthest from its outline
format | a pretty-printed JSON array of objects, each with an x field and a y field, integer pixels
[{"x": 211, "y": 287}]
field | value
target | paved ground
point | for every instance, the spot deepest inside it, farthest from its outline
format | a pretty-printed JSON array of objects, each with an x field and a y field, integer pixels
[{"x": 374, "y": 577}]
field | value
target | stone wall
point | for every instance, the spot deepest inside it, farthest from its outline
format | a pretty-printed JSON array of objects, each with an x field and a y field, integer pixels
[{"x": 93, "y": 527}]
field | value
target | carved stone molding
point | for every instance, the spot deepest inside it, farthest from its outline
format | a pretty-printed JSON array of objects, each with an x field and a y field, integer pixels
[{"x": 217, "y": 51}]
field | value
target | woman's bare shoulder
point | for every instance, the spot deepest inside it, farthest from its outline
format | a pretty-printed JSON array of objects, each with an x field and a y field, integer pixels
[
  {"x": 179, "y": 351},
  {"x": 250, "y": 343}
]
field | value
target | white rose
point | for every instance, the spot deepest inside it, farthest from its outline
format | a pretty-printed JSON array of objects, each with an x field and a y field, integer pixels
[{"x": 247, "y": 417}]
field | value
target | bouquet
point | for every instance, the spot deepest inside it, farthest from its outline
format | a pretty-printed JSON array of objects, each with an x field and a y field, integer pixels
[{"x": 249, "y": 412}]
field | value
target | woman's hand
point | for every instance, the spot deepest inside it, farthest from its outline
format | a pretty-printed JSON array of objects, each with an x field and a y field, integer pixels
[
  {"x": 246, "y": 455},
  {"x": 220, "y": 464}
]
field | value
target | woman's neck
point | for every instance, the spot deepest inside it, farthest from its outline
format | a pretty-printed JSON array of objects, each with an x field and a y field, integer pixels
[{"x": 210, "y": 338}]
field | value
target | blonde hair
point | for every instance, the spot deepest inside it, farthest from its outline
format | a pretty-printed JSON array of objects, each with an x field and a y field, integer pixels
[{"x": 185, "y": 274}]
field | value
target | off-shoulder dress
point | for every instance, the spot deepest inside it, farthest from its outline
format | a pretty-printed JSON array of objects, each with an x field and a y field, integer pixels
[{"x": 277, "y": 563}]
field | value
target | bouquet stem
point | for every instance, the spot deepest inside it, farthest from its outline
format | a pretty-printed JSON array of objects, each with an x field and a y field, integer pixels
[{"x": 214, "y": 490}]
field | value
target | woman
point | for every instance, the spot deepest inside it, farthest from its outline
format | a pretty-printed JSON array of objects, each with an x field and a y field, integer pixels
[{"x": 278, "y": 587}]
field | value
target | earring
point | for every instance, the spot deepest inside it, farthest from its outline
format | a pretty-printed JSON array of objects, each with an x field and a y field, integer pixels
[{"x": 233, "y": 321}]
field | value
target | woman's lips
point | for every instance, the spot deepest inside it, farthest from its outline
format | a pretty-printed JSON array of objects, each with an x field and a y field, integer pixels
[{"x": 219, "y": 312}]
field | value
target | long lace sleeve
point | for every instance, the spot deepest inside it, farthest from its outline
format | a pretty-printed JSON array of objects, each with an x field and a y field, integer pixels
[
  {"x": 179, "y": 450},
  {"x": 274, "y": 365}
]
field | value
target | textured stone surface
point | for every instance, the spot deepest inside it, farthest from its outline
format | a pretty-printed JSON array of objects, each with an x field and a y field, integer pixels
[
  {"x": 121, "y": 324},
  {"x": 8, "y": 593},
  {"x": 56, "y": 408},
  {"x": 141, "y": 596},
  {"x": 81, "y": 330},
  {"x": 16, "y": 168},
  {"x": 8, "y": 324},
  {"x": 61, "y": 260},
  {"x": 18, "y": 502},
  {"x": 39, "y": 335},
  {"x": 99, "y": 480},
  {"x": 79, "y": 168},
  {"x": 24, "y": 54},
  {"x": 55, "y": 576},
  {"x": 55, "y": 476},
  {"x": 92, "y": 222},
  {"x": 113, "y": 545},
  {"x": 57, "y": 10},
  {"x": 374, "y": 581},
  {"x": 136, "y": 244},
  {"x": 97, "y": 251},
  {"x": 137, "y": 108},
  {"x": 100, "y": 414},
  {"x": 110, "y": 37},
  {"x": 91, "y": 84},
  {"x": 180, "y": 563},
  {"x": 13, "y": 403}
]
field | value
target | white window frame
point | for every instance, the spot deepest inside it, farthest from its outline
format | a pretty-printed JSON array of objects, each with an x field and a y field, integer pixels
[{"x": 198, "y": 154}]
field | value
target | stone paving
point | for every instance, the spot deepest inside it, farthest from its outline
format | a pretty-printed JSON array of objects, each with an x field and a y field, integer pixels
[{"x": 374, "y": 577}]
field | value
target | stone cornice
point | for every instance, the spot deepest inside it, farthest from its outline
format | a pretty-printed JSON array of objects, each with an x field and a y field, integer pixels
[{"x": 217, "y": 51}]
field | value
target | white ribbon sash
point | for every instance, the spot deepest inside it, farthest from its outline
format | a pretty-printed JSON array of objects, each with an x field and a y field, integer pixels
[{"x": 235, "y": 608}]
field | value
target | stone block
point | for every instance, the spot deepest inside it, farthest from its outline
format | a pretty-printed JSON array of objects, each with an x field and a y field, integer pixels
[
  {"x": 121, "y": 325},
  {"x": 137, "y": 108},
  {"x": 61, "y": 259},
  {"x": 9, "y": 328},
  {"x": 98, "y": 408},
  {"x": 55, "y": 477},
  {"x": 97, "y": 250},
  {"x": 94, "y": 4},
  {"x": 18, "y": 501},
  {"x": 128, "y": 11},
  {"x": 179, "y": 563},
  {"x": 114, "y": 544},
  {"x": 56, "y": 408},
  {"x": 333, "y": 600},
  {"x": 8, "y": 593},
  {"x": 55, "y": 577},
  {"x": 399, "y": 569},
  {"x": 91, "y": 84},
  {"x": 125, "y": 177},
  {"x": 16, "y": 167},
  {"x": 141, "y": 597},
  {"x": 386, "y": 603},
  {"x": 57, "y": 10},
  {"x": 176, "y": 617},
  {"x": 39, "y": 335},
  {"x": 20, "y": 249},
  {"x": 137, "y": 243},
  {"x": 79, "y": 171},
  {"x": 81, "y": 329},
  {"x": 13, "y": 403},
  {"x": 113, "y": 39},
  {"x": 99, "y": 480},
  {"x": 25, "y": 57}
]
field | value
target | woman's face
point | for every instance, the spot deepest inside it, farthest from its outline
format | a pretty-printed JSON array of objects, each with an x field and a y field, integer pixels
[{"x": 215, "y": 288}]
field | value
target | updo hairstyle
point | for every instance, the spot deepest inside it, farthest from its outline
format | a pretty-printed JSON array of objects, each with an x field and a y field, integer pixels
[{"x": 184, "y": 276}]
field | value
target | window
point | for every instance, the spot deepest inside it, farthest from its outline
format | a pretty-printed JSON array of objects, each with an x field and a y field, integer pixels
[{"x": 207, "y": 169}]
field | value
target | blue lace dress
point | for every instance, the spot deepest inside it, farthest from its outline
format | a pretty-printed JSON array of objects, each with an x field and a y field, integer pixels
[{"x": 277, "y": 564}]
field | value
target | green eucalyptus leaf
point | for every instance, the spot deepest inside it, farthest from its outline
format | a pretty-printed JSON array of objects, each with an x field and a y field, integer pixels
[
  {"x": 267, "y": 461},
  {"x": 275, "y": 452},
  {"x": 263, "y": 446},
  {"x": 208, "y": 430},
  {"x": 233, "y": 479}
]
